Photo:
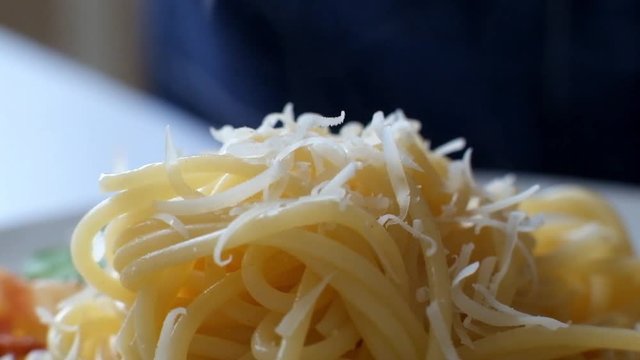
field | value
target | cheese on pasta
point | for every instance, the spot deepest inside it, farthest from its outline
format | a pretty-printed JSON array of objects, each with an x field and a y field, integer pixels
[{"x": 295, "y": 242}]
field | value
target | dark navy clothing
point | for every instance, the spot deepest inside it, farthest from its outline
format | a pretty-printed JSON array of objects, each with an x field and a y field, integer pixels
[{"x": 547, "y": 86}]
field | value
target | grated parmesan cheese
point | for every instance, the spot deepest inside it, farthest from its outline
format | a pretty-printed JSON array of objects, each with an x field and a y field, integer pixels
[
  {"x": 503, "y": 315},
  {"x": 224, "y": 199},
  {"x": 507, "y": 202},
  {"x": 415, "y": 231},
  {"x": 336, "y": 185},
  {"x": 451, "y": 147},
  {"x": 463, "y": 259},
  {"x": 396, "y": 173},
  {"x": 507, "y": 251}
]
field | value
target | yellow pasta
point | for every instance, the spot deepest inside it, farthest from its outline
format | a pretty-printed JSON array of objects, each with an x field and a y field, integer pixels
[{"x": 293, "y": 242}]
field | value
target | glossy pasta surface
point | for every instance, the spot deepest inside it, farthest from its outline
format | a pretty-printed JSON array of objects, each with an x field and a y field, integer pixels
[{"x": 292, "y": 242}]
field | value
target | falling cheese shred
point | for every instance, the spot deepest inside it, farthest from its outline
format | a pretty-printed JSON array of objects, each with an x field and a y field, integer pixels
[
  {"x": 450, "y": 147},
  {"x": 396, "y": 172}
]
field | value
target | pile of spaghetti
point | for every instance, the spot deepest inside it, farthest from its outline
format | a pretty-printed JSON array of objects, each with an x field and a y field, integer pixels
[{"x": 293, "y": 242}]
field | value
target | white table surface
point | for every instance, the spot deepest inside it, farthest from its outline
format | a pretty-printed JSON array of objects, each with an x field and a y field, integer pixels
[{"x": 61, "y": 125}]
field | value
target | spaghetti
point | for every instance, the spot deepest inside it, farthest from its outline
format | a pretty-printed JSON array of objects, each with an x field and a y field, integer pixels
[{"x": 291, "y": 242}]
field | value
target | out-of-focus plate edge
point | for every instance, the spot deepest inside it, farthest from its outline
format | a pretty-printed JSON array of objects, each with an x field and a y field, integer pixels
[
  {"x": 20, "y": 242},
  {"x": 625, "y": 198}
]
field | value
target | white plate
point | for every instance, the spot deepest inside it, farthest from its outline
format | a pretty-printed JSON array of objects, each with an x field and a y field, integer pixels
[{"x": 23, "y": 241}]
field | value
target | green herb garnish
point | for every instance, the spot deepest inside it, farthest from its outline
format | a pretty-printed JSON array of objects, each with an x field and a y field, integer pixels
[{"x": 53, "y": 264}]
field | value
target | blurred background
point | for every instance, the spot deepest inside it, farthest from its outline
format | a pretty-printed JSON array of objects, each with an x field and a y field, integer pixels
[
  {"x": 105, "y": 35},
  {"x": 548, "y": 87},
  {"x": 102, "y": 34},
  {"x": 545, "y": 86}
]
